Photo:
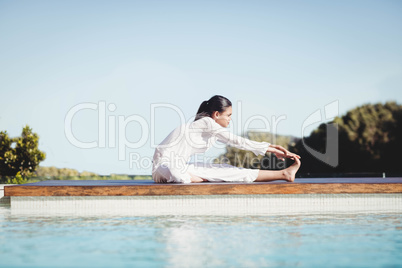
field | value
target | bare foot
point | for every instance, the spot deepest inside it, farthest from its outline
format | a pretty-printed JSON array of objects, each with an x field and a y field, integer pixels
[{"x": 290, "y": 172}]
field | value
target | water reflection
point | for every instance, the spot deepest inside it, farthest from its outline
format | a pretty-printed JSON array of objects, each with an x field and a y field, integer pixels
[{"x": 199, "y": 241}]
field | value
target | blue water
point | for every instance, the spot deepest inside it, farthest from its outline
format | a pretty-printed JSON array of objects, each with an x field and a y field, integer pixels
[{"x": 333, "y": 240}]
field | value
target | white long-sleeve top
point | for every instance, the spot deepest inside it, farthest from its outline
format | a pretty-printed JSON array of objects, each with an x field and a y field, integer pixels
[{"x": 197, "y": 137}]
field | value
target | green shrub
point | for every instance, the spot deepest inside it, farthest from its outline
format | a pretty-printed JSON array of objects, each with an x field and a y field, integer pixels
[{"x": 19, "y": 156}]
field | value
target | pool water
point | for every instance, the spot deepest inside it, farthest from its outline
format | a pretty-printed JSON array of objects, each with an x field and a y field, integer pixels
[{"x": 330, "y": 240}]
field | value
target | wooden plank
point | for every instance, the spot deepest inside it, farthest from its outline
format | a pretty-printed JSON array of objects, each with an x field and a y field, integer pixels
[
  {"x": 148, "y": 188},
  {"x": 150, "y": 182}
]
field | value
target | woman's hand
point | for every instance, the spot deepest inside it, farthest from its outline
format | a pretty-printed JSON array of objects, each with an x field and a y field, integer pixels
[{"x": 281, "y": 153}]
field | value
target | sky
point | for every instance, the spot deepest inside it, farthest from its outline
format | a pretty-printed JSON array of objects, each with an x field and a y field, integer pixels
[{"x": 103, "y": 82}]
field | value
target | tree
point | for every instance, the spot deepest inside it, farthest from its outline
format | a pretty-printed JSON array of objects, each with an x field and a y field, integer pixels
[
  {"x": 20, "y": 156},
  {"x": 370, "y": 140}
]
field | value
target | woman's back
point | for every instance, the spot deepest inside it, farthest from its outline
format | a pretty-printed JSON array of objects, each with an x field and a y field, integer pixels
[{"x": 186, "y": 140}]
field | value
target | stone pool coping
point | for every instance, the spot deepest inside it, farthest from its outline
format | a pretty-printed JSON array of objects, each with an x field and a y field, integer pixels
[
  {"x": 4, "y": 199},
  {"x": 150, "y": 188},
  {"x": 124, "y": 197}
]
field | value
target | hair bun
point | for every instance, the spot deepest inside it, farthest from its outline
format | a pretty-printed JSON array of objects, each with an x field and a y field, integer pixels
[{"x": 215, "y": 103}]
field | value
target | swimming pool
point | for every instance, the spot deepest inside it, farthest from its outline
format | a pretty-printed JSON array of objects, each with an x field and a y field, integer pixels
[{"x": 303, "y": 240}]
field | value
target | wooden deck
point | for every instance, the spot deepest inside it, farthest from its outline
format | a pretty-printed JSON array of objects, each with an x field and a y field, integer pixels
[{"x": 149, "y": 188}]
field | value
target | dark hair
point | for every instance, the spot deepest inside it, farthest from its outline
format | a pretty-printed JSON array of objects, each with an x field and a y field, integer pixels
[{"x": 215, "y": 103}]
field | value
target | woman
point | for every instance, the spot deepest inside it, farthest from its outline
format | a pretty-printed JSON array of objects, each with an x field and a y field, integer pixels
[{"x": 170, "y": 161}]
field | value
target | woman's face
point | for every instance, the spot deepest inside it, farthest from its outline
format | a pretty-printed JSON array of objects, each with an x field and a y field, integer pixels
[{"x": 224, "y": 118}]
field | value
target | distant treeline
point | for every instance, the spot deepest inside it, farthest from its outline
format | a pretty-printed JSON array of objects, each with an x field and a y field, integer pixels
[
  {"x": 20, "y": 158},
  {"x": 369, "y": 140},
  {"x": 54, "y": 173}
]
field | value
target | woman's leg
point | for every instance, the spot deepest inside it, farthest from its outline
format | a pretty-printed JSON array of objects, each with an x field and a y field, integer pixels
[
  {"x": 201, "y": 172},
  {"x": 287, "y": 174},
  {"x": 214, "y": 172},
  {"x": 195, "y": 178}
]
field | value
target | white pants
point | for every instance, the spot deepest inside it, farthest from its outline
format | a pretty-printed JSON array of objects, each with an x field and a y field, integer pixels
[{"x": 208, "y": 171}]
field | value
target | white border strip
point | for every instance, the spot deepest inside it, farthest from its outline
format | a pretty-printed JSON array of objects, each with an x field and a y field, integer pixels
[{"x": 208, "y": 204}]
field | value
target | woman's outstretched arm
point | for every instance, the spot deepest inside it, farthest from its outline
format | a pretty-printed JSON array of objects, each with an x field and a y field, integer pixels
[{"x": 258, "y": 148}]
